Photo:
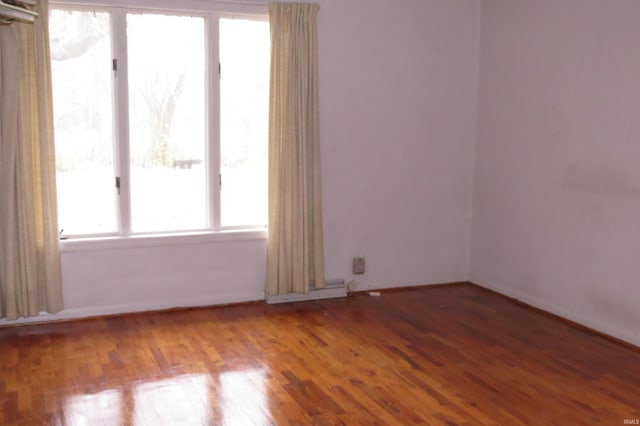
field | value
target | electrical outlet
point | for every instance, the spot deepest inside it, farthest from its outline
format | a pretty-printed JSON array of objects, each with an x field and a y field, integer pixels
[{"x": 358, "y": 265}]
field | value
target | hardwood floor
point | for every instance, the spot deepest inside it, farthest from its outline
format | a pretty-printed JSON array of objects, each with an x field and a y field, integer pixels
[{"x": 443, "y": 355}]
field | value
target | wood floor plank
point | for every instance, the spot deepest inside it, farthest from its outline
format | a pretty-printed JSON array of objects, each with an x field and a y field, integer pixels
[{"x": 443, "y": 355}]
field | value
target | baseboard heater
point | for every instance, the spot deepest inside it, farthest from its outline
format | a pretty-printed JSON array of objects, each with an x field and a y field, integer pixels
[{"x": 332, "y": 289}]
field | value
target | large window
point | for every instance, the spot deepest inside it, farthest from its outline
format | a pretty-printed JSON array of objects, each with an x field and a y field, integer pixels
[{"x": 161, "y": 121}]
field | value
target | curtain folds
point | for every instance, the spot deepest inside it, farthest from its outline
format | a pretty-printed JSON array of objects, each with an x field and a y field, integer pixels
[
  {"x": 295, "y": 247},
  {"x": 30, "y": 277}
]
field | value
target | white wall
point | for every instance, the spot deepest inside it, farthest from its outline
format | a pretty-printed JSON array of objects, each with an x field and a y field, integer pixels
[
  {"x": 149, "y": 277},
  {"x": 557, "y": 184},
  {"x": 397, "y": 99},
  {"x": 398, "y": 96}
]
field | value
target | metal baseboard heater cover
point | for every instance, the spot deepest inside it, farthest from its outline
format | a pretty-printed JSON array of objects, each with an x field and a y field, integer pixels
[{"x": 333, "y": 289}]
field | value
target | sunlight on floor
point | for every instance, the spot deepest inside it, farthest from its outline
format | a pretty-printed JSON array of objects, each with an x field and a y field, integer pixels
[
  {"x": 233, "y": 398},
  {"x": 179, "y": 400},
  {"x": 91, "y": 409},
  {"x": 243, "y": 397}
]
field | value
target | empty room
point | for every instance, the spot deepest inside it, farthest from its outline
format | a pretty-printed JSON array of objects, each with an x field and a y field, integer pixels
[{"x": 340, "y": 212}]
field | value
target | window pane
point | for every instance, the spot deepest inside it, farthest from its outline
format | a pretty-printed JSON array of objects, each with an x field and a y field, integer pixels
[
  {"x": 244, "y": 87},
  {"x": 82, "y": 94},
  {"x": 167, "y": 127}
]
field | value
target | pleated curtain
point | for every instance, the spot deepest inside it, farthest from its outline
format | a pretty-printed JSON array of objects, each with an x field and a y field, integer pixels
[
  {"x": 30, "y": 277},
  {"x": 295, "y": 259}
]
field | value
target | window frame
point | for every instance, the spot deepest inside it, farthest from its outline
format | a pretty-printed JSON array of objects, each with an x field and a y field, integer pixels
[{"x": 212, "y": 13}]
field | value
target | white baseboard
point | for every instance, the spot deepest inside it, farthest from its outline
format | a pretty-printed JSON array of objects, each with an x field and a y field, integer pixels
[
  {"x": 72, "y": 313},
  {"x": 332, "y": 290},
  {"x": 97, "y": 311},
  {"x": 545, "y": 305},
  {"x": 435, "y": 280}
]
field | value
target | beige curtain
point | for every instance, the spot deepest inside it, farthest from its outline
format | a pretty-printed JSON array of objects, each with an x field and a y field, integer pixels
[
  {"x": 30, "y": 278},
  {"x": 295, "y": 247}
]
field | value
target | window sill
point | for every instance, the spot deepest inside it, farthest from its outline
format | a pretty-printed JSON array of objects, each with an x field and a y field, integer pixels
[{"x": 159, "y": 240}]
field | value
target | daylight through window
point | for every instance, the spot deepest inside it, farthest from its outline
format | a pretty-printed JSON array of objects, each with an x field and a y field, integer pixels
[{"x": 158, "y": 127}]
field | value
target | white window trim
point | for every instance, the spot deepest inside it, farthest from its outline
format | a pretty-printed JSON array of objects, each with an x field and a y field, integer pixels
[
  {"x": 198, "y": 7},
  {"x": 117, "y": 242},
  {"x": 201, "y": 8}
]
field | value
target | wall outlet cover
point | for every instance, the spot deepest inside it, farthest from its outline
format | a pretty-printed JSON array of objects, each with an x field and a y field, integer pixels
[{"x": 358, "y": 265}]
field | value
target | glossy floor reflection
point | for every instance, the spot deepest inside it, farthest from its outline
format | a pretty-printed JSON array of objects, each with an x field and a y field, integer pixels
[
  {"x": 179, "y": 400},
  {"x": 182, "y": 400},
  {"x": 242, "y": 397},
  {"x": 449, "y": 355},
  {"x": 93, "y": 409},
  {"x": 234, "y": 398}
]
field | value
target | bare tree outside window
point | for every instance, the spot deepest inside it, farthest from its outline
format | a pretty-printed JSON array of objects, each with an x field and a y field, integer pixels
[
  {"x": 168, "y": 175},
  {"x": 161, "y": 98},
  {"x": 167, "y": 122}
]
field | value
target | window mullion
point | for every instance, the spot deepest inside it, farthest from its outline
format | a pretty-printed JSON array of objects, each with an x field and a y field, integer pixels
[
  {"x": 121, "y": 118},
  {"x": 213, "y": 122}
]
